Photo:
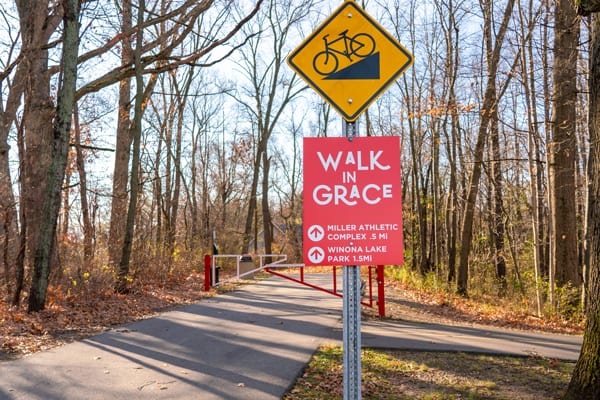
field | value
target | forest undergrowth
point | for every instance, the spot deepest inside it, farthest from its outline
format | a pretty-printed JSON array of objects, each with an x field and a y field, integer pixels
[{"x": 430, "y": 299}]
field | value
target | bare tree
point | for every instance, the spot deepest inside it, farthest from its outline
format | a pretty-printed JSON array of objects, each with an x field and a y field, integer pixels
[
  {"x": 38, "y": 22},
  {"x": 123, "y": 141},
  {"x": 585, "y": 380},
  {"x": 490, "y": 101},
  {"x": 159, "y": 59},
  {"x": 562, "y": 151},
  {"x": 88, "y": 229},
  {"x": 269, "y": 98},
  {"x": 56, "y": 170},
  {"x": 9, "y": 230},
  {"x": 140, "y": 96},
  {"x": 288, "y": 189},
  {"x": 414, "y": 93},
  {"x": 450, "y": 26}
]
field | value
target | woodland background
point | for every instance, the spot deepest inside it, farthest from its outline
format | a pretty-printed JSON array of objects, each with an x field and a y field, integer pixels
[{"x": 187, "y": 128}]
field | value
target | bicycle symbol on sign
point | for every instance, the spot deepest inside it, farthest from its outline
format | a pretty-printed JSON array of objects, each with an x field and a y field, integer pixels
[{"x": 360, "y": 45}]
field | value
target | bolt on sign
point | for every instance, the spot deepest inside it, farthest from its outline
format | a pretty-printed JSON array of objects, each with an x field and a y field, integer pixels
[
  {"x": 350, "y": 60},
  {"x": 352, "y": 201}
]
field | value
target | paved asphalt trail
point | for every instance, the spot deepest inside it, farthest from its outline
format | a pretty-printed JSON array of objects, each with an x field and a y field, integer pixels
[{"x": 248, "y": 344}]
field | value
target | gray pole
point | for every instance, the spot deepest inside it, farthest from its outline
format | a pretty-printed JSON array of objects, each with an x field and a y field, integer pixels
[{"x": 351, "y": 315}]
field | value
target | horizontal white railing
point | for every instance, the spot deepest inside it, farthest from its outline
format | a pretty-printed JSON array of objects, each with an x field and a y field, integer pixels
[{"x": 279, "y": 263}]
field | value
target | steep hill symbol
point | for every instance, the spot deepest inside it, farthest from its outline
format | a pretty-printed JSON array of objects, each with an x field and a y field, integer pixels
[{"x": 367, "y": 68}]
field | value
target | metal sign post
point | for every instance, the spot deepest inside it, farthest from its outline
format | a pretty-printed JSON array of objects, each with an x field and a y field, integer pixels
[
  {"x": 350, "y": 60},
  {"x": 351, "y": 333},
  {"x": 351, "y": 315}
]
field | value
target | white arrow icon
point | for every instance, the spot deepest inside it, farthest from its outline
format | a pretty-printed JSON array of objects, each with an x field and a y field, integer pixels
[
  {"x": 316, "y": 255},
  {"x": 316, "y": 233}
]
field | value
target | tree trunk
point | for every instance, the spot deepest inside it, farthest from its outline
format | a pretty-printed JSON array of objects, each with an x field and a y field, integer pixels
[
  {"x": 585, "y": 381},
  {"x": 452, "y": 207},
  {"x": 420, "y": 226},
  {"x": 205, "y": 203},
  {"x": 8, "y": 220},
  {"x": 158, "y": 200},
  {"x": 451, "y": 33},
  {"x": 123, "y": 271},
  {"x": 181, "y": 100},
  {"x": 9, "y": 230},
  {"x": 533, "y": 154},
  {"x": 22, "y": 248},
  {"x": 168, "y": 176},
  {"x": 56, "y": 172},
  {"x": 38, "y": 111},
  {"x": 252, "y": 203},
  {"x": 533, "y": 158},
  {"x": 562, "y": 152},
  {"x": 489, "y": 105},
  {"x": 88, "y": 229},
  {"x": 436, "y": 244},
  {"x": 266, "y": 213},
  {"x": 498, "y": 228},
  {"x": 118, "y": 214},
  {"x": 192, "y": 197},
  {"x": 175, "y": 193}
]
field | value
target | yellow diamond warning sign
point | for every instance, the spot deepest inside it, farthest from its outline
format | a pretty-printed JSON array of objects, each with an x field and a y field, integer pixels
[{"x": 350, "y": 60}]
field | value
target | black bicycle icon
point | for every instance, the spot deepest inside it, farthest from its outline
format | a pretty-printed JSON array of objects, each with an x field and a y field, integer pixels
[{"x": 361, "y": 45}]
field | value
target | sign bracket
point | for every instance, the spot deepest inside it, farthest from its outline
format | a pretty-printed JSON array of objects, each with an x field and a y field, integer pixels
[{"x": 350, "y": 130}]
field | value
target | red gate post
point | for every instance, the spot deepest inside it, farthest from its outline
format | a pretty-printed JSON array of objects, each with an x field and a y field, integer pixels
[
  {"x": 380, "y": 291},
  {"x": 207, "y": 274},
  {"x": 334, "y": 280}
]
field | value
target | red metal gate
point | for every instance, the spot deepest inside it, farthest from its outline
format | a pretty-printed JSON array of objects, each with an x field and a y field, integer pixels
[{"x": 211, "y": 273}]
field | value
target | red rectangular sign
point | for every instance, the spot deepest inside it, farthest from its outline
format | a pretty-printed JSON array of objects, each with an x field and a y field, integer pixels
[{"x": 352, "y": 201}]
